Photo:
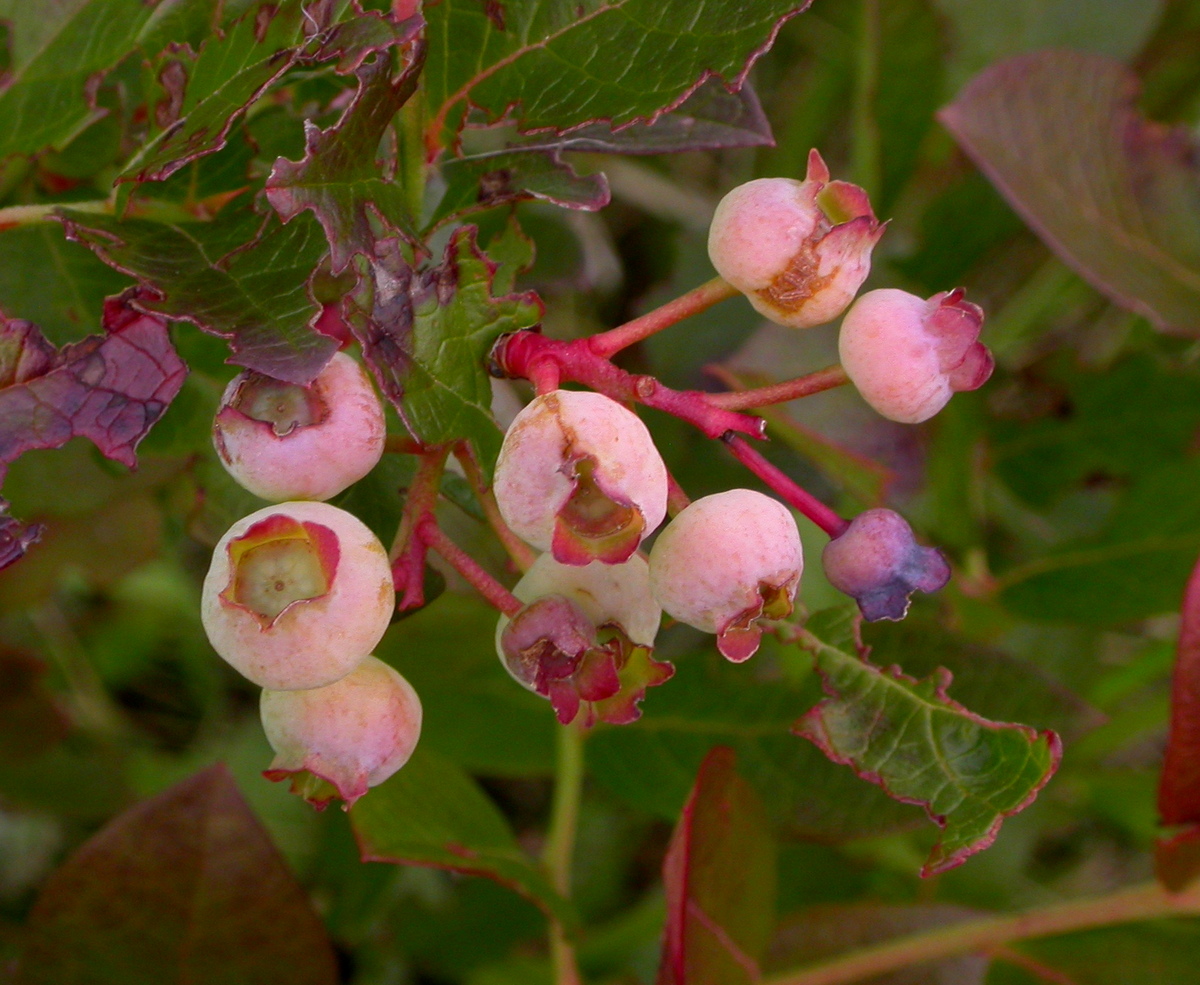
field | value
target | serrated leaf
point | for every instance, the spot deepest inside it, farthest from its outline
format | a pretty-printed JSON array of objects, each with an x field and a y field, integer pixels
[
  {"x": 339, "y": 178},
  {"x": 1115, "y": 196},
  {"x": 431, "y": 813},
  {"x": 108, "y": 388},
  {"x": 427, "y": 336},
  {"x": 719, "y": 877},
  {"x": 185, "y": 887},
  {"x": 486, "y": 181},
  {"x": 236, "y": 277},
  {"x": 60, "y": 51},
  {"x": 920, "y": 746},
  {"x": 562, "y": 64}
]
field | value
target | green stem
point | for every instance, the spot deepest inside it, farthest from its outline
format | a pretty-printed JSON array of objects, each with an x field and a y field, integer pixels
[
  {"x": 865, "y": 148},
  {"x": 560, "y": 841},
  {"x": 1142, "y": 902}
]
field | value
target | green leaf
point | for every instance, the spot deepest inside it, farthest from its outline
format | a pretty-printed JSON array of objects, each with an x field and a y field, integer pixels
[
  {"x": 1115, "y": 196},
  {"x": 652, "y": 763},
  {"x": 1164, "y": 952},
  {"x": 236, "y": 277},
  {"x": 57, "y": 284},
  {"x": 59, "y": 50},
  {"x": 339, "y": 178},
  {"x": 561, "y": 64},
  {"x": 427, "y": 337},
  {"x": 909, "y": 737},
  {"x": 719, "y": 875},
  {"x": 474, "y": 712},
  {"x": 184, "y": 887},
  {"x": 431, "y": 813},
  {"x": 1135, "y": 568}
]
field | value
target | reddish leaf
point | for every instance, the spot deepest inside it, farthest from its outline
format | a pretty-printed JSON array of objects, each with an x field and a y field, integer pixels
[
  {"x": 1117, "y": 197},
  {"x": 185, "y": 887},
  {"x": 338, "y": 179},
  {"x": 719, "y": 875},
  {"x": 15, "y": 537},
  {"x": 109, "y": 388},
  {"x": 1179, "y": 787}
]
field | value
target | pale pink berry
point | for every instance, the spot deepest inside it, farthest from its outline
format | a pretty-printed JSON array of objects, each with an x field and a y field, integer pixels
[
  {"x": 798, "y": 250},
  {"x": 877, "y": 561},
  {"x": 585, "y": 638},
  {"x": 725, "y": 562},
  {"x": 340, "y": 739},
  {"x": 579, "y": 476},
  {"x": 282, "y": 441},
  {"x": 907, "y": 357},
  {"x": 297, "y": 594}
]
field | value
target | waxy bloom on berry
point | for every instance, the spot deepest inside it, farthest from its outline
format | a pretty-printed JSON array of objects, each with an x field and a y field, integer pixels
[
  {"x": 340, "y": 739},
  {"x": 877, "y": 561},
  {"x": 283, "y": 441},
  {"x": 297, "y": 594},
  {"x": 579, "y": 476},
  {"x": 798, "y": 250},
  {"x": 908, "y": 357},
  {"x": 585, "y": 638},
  {"x": 725, "y": 562}
]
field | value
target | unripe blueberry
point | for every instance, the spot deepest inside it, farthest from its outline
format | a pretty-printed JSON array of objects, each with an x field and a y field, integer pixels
[
  {"x": 579, "y": 476},
  {"x": 726, "y": 561},
  {"x": 878, "y": 562},
  {"x": 297, "y": 594},
  {"x": 585, "y": 638},
  {"x": 798, "y": 250},
  {"x": 908, "y": 357},
  {"x": 340, "y": 739},
  {"x": 283, "y": 441}
]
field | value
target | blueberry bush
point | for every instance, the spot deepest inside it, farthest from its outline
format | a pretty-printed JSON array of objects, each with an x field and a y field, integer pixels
[{"x": 537, "y": 492}]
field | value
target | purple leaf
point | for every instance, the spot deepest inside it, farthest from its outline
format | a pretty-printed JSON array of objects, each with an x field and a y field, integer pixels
[
  {"x": 338, "y": 178},
  {"x": 15, "y": 537},
  {"x": 719, "y": 875},
  {"x": 184, "y": 887},
  {"x": 1115, "y": 196},
  {"x": 108, "y": 388}
]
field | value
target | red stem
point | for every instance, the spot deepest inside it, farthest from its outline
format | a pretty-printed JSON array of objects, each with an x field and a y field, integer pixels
[
  {"x": 522, "y": 355},
  {"x": 608, "y": 344},
  {"x": 777, "y": 393},
  {"x": 1179, "y": 788},
  {"x": 522, "y": 554},
  {"x": 677, "y": 499},
  {"x": 408, "y": 550},
  {"x": 791, "y": 493},
  {"x": 496, "y": 594}
]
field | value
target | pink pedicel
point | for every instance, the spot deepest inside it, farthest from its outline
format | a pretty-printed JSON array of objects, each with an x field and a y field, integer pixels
[
  {"x": 798, "y": 250},
  {"x": 908, "y": 356},
  {"x": 878, "y": 562}
]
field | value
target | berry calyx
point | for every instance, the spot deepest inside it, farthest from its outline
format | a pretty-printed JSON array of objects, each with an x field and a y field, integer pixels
[
  {"x": 798, "y": 250},
  {"x": 878, "y": 562},
  {"x": 585, "y": 638},
  {"x": 282, "y": 441},
  {"x": 338, "y": 740},
  {"x": 725, "y": 563},
  {"x": 296, "y": 595},
  {"x": 908, "y": 356},
  {"x": 578, "y": 475}
]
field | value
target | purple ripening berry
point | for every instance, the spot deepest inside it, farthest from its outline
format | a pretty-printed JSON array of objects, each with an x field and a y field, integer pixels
[
  {"x": 338, "y": 740},
  {"x": 282, "y": 441},
  {"x": 907, "y": 356},
  {"x": 798, "y": 250},
  {"x": 725, "y": 562},
  {"x": 578, "y": 475},
  {"x": 877, "y": 561}
]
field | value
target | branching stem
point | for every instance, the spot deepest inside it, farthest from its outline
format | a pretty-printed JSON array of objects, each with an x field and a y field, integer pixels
[
  {"x": 791, "y": 492},
  {"x": 521, "y": 553},
  {"x": 608, "y": 344},
  {"x": 496, "y": 594},
  {"x": 1142, "y": 902}
]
